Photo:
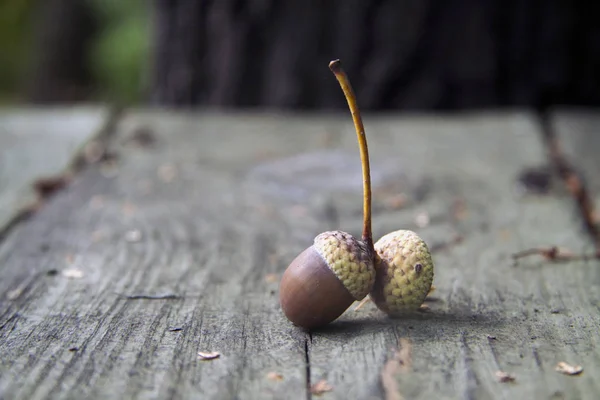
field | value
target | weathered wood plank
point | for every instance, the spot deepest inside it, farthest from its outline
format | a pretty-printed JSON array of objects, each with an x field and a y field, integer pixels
[
  {"x": 39, "y": 143},
  {"x": 539, "y": 314},
  {"x": 175, "y": 218},
  {"x": 204, "y": 207}
]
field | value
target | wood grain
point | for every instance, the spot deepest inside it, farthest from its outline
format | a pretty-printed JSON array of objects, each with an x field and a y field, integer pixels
[
  {"x": 490, "y": 315},
  {"x": 113, "y": 287}
]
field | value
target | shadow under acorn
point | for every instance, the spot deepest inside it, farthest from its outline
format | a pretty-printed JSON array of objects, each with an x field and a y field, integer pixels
[{"x": 427, "y": 325}]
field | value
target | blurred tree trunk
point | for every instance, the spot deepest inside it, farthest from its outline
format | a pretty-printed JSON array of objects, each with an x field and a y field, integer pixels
[
  {"x": 62, "y": 37},
  {"x": 413, "y": 54}
]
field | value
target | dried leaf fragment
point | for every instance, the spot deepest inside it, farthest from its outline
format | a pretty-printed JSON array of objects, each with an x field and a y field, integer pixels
[
  {"x": 133, "y": 236},
  {"x": 211, "y": 355},
  {"x": 274, "y": 376},
  {"x": 504, "y": 377},
  {"x": 397, "y": 201},
  {"x": 15, "y": 293},
  {"x": 320, "y": 387},
  {"x": 568, "y": 369},
  {"x": 72, "y": 273},
  {"x": 424, "y": 308},
  {"x": 422, "y": 219},
  {"x": 167, "y": 172},
  {"x": 459, "y": 209}
]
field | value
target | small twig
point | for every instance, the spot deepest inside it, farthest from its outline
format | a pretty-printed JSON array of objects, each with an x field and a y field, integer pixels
[
  {"x": 362, "y": 303},
  {"x": 554, "y": 253}
]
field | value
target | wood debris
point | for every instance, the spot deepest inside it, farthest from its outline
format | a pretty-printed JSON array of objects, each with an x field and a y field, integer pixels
[
  {"x": 422, "y": 219},
  {"x": 396, "y": 201},
  {"x": 362, "y": 303},
  {"x": 274, "y": 376},
  {"x": 72, "y": 273},
  {"x": 128, "y": 208},
  {"x": 299, "y": 211},
  {"x": 401, "y": 362},
  {"x": 97, "y": 202},
  {"x": 424, "y": 308},
  {"x": 320, "y": 387},
  {"x": 133, "y": 236},
  {"x": 273, "y": 258},
  {"x": 97, "y": 235},
  {"x": 46, "y": 187},
  {"x": 504, "y": 377},
  {"x": 568, "y": 369},
  {"x": 554, "y": 253},
  {"x": 167, "y": 173},
  {"x": 15, "y": 293},
  {"x": 459, "y": 209},
  {"x": 212, "y": 355}
]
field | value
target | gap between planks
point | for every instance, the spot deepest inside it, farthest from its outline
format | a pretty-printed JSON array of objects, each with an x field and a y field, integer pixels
[{"x": 76, "y": 165}]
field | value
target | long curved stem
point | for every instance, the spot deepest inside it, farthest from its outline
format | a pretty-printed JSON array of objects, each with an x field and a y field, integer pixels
[{"x": 336, "y": 67}]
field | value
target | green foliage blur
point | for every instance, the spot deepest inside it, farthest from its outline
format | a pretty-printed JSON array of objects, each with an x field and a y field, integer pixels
[
  {"x": 117, "y": 57},
  {"x": 15, "y": 36}
]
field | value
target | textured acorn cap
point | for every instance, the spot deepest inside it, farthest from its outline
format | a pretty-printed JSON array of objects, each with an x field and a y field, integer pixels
[
  {"x": 325, "y": 279},
  {"x": 404, "y": 272}
]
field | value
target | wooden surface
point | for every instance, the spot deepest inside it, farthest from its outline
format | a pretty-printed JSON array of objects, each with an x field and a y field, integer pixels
[
  {"x": 39, "y": 144},
  {"x": 174, "y": 247}
]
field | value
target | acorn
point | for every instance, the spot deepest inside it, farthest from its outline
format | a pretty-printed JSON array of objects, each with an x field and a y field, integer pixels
[
  {"x": 326, "y": 278},
  {"x": 404, "y": 269},
  {"x": 338, "y": 269}
]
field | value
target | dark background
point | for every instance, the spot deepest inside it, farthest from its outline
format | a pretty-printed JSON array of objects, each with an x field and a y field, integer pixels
[{"x": 400, "y": 55}]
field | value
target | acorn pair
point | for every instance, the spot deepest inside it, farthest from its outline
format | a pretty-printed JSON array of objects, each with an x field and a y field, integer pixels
[{"x": 338, "y": 269}]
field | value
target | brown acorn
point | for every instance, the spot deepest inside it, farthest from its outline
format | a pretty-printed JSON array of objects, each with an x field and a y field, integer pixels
[
  {"x": 326, "y": 278},
  {"x": 338, "y": 269}
]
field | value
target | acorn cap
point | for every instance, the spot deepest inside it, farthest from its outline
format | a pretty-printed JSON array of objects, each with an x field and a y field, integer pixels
[
  {"x": 404, "y": 272},
  {"x": 325, "y": 279}
]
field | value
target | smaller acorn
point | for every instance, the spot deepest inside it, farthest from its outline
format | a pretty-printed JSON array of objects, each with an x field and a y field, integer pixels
[
  {"x": 325, "y": 279},
  {"x": 404, "y": 269}
]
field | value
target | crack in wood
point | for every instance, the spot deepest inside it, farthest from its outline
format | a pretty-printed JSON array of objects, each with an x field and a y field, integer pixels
[
  {"x": 537, "y": 359},
  {"x": 307, "y": 360},
  {"x": 471, "y": 379},
  {"x": 48, "y": 186},
  {"x": 572, "y": 181},
  {"x": 169, "y": 296}
]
